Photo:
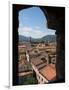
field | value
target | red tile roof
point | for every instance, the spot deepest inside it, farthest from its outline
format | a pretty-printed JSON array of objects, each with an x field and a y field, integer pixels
[{"x": 48, "y": 72}]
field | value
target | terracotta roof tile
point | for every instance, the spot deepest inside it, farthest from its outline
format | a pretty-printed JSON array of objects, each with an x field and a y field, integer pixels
[{"x": 48, "y": 72}]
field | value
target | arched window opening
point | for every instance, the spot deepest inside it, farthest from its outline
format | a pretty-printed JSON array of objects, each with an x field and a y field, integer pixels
[{"x": 34, "y": 34}]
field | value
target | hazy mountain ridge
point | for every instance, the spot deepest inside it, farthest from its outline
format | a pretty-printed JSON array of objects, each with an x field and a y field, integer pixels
[{"x": 47, "y": 38}]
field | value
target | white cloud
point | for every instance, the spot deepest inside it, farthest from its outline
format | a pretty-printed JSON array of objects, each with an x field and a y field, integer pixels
[
  {"x": 37, "y": 27},
  {"x": 33, "y": 32}
]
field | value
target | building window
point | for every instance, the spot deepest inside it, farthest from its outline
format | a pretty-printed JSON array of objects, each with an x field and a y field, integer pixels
[
  {"x": 43, "y": 59},
  {"x": 53, "y": 61},
  {"x": 42, "y": 79},
  {"x": 39, "y": 77}
]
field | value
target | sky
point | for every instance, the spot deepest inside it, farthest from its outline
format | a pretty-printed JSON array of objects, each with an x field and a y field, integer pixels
[{"x": 33, "y": 23}]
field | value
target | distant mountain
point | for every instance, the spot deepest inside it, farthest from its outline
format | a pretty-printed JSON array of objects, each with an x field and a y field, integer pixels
[
  {"x": 47, "y": 38},
  {"x": 23, "y": 38}
]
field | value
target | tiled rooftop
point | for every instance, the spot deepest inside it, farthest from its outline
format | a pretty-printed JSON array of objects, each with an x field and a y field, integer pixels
[
  {"x": 48, "y": 72},
  {"x": 36, "y": 61}
]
